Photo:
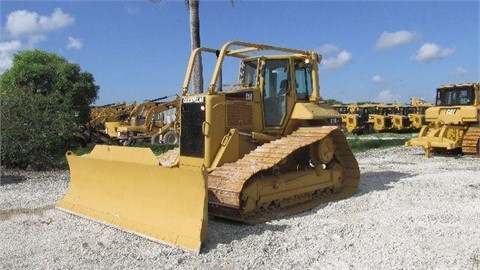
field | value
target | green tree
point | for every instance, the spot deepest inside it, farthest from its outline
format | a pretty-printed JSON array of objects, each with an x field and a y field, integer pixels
[
  {"x": 332, "y": 101},
  {"x": 43, "y": 100}
]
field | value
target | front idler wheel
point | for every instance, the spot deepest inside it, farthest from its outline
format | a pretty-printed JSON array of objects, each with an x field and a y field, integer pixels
[{"x": 322, "y": 151}]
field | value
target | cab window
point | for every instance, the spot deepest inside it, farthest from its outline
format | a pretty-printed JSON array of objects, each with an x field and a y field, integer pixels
[
  {"x": 248, "y": 74},
  {"x": 303, "y": 80},
  {"x": 276, "y": 87}
]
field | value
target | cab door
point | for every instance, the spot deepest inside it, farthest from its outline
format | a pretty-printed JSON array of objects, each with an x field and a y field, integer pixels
[{"x": 276, "y": 88}]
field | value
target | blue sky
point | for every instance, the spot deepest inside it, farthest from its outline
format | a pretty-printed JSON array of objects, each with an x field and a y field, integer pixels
[{"x": 380, "y": 51}]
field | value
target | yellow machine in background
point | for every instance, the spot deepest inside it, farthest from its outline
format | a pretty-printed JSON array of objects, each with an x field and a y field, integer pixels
[
  {"x": 381, "y": 119},
  {"x": 103, "y": 118},
  {"x": 454, "y": 121},
  {"x": 392, "y": 117},
  {"x": 358, "y": 120},
  {"x": 400, "y": 118},
  {"x": 417, "y": 116},
  {"x": 110, "y": 112},
  {"x": 95, "y": 130},
  {"x": 153, "y": 121},
  {"x": 136, "y": 111},
  {"x": 343, "y": 110},
  {"x": 260, "y": 148}
]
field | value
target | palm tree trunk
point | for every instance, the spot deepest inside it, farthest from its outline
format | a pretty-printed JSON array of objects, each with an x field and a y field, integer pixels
[{"x": 193, "y": 6}]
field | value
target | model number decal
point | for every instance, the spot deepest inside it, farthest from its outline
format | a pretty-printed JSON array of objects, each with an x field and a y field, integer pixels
[
  {"x": 248, "y": 96},
  {"x": 193, "y": 99},
  {"x": 450, "y": 111}
]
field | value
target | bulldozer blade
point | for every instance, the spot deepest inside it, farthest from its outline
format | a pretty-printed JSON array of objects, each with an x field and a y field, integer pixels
[{"x": 125, "y": 187}]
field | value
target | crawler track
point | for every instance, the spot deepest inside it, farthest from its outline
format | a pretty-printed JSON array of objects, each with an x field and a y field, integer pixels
[
  {"x": 227, "y": 184},
  {"x": 471, "y": 140}
]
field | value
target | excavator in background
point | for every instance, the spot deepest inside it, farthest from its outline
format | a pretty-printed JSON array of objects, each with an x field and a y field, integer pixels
[
  {"x": 453, "y": 122},
  {"x": 261, "y": 148},
  {"x": 109, "y": 112},
  {"x": 151, "y": 120},
  {"x": 95, "y": 130},
  {"x": 137, "y": 111}
]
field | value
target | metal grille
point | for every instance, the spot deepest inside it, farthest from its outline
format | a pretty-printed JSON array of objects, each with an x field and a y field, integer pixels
[
  {"x": 239, "y": 114},
  {"x": 388, "y": 122},
  {"x": 192, "y": 143}
]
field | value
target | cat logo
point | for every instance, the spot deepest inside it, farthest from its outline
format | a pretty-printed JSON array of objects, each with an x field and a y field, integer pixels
[{"x": 450, "y": 111}]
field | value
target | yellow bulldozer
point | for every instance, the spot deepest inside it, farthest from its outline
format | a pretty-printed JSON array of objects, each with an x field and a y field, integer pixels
[
  {"x": 401, "y": 117},
  {"x": 417, "y": 116},
  {"x": 258, "y": 149},
  {"x": 358, "y": 120},
  {"x": 453, "y": 122},
  {"x": 381, "y": 120},
  {"x": 343, "y": 110}
]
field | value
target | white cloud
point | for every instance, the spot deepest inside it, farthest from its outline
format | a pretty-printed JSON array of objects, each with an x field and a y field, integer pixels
[
  {"x": 460, "y": 72},
  {"x": 340, "y": 60},
  {"x": 57, "y": 20},
  {"x": 30, "y": 25},
  {"x": 379, "y": 79},
  {"x": 431, "y": 51},
  {"x": 389, "y": 40},
  {"x": 387, "y": 96},
  {"x": 7, "y": 49},
  {"x": 21, "y": 22},
  {"x": 27, "y": 28},
  {"x": 74, "y": 43},
  {"x": 328, "y": 48}
]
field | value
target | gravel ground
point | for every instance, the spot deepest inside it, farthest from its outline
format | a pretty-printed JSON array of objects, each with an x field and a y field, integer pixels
[{"x": 410, "y": 212}]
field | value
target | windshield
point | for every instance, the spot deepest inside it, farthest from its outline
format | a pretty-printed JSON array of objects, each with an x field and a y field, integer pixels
[
  {"x": 454, "y": 96},
  {"x": 341, "y": 109}
]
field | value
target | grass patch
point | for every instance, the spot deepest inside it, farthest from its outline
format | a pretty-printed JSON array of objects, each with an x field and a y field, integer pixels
[
  {"x": 367, "y": 142},
  {"x": 358, "y": 143},
  {"x": 162, "y": 148},
  {"x": 84, "y": 150},
  {"x": 156, "y": 149}
]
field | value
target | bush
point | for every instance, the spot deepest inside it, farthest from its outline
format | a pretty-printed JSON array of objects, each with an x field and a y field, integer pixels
[
  {"x": 43, "y": 100},
  {"x": 36, "y": 130}
]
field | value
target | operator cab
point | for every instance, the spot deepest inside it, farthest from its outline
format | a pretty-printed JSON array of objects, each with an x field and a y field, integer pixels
[
  {"x": 455, "y": 96},
  {"x": 275, "y": 77}
]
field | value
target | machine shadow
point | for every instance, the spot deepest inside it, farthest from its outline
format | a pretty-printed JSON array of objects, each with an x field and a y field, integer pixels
[
  {"x": 380, "y": 180},
  {"x": 9, "y": 178},
  {"x": 223, "y": 231}
]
